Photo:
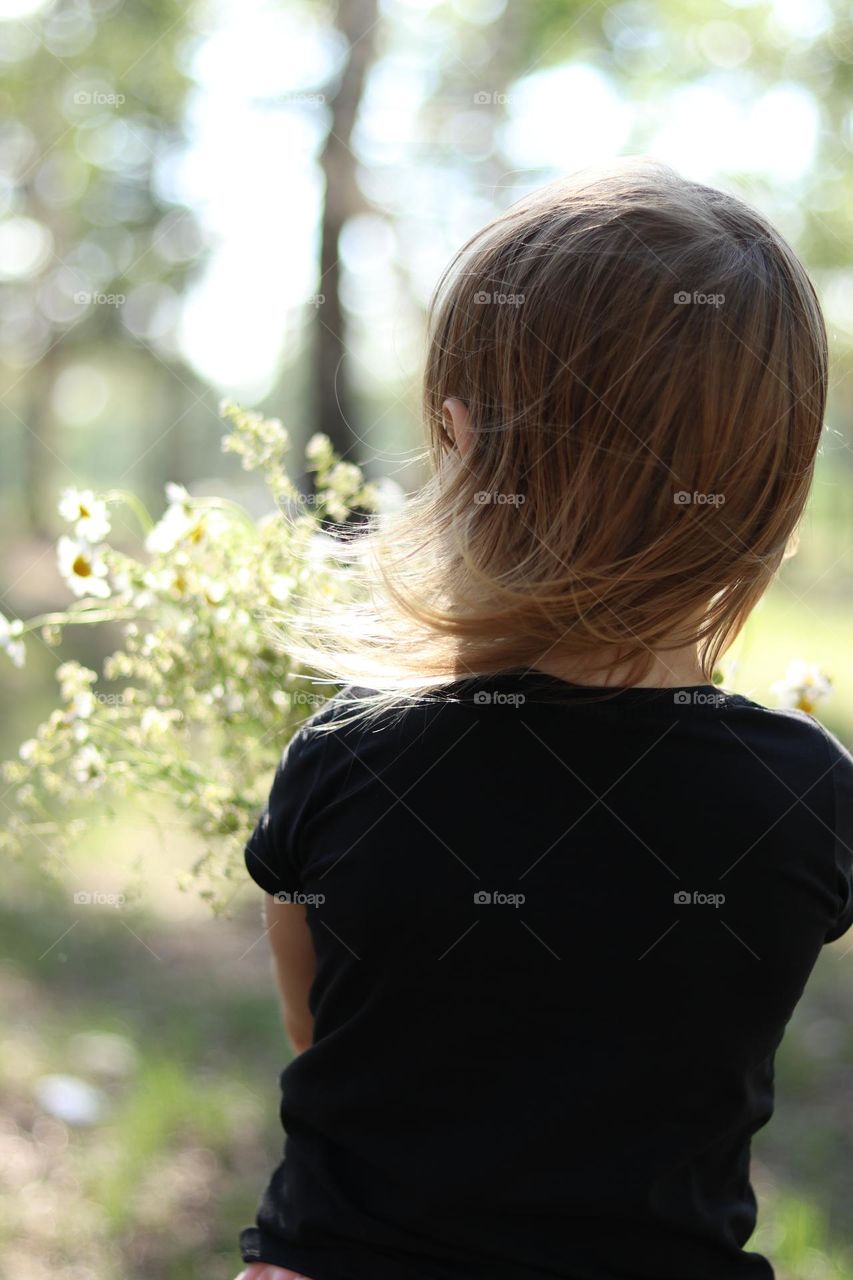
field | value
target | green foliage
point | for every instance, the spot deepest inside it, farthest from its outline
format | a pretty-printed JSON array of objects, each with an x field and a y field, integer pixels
[{"x": 797, "y": 1237}]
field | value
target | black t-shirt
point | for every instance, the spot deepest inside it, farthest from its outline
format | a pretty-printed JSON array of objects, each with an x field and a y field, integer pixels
[{"x": 558, "y": 940}]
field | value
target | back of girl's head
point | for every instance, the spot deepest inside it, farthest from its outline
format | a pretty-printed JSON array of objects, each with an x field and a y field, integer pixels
[{"x": 643, "y": 360}]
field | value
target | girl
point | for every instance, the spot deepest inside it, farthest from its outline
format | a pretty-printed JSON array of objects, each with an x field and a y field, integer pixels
[{"x": 541, "y": 896}]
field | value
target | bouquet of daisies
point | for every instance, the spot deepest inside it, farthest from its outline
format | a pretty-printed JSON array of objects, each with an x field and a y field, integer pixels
[{"x": 199, "y": 698}]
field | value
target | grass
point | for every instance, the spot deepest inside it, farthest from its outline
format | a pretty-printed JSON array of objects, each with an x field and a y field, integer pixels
[{"x": 160, "y": 1185}]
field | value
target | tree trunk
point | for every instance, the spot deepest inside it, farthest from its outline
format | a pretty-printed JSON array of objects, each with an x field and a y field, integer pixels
[
  {"x": 334, "y": 407},
  {"x": 41, "y": 454}
]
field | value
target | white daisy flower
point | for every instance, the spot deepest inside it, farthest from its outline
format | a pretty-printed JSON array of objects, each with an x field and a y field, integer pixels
[
  {"x": 80, "y": 707},
  {"x": 181, "y": 523},
  {"x": 83, "y": 568},
  {"x": 87, "y": 766},
  {"x": 803, "y": 687},
  {"x": 10, "y": 641},
  {"x": 87, "y": 513},
  {"x": 175, "y": 524}
]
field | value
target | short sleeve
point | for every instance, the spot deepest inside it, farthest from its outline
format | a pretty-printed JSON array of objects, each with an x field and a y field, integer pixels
[
  {"x": 272, "y": 850},
  {"x": 842, "y": 776}
]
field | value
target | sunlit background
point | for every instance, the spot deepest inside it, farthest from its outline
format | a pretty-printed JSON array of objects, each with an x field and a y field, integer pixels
[{"x": 254, "y": 199}]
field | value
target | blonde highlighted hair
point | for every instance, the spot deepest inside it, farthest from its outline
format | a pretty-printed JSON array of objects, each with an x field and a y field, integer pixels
[{"x": 644, "y": 363}]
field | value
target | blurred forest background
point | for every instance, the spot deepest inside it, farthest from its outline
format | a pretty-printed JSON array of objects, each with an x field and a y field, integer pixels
[{"x": 254, "y": 198}]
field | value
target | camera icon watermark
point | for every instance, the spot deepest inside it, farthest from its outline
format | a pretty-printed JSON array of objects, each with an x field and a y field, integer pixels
[
  {"x": 683, "y": 298},
  {"x": 484, "y": 298},
  {"x": 484, "y": 499},
  {"x": 484, "y": 897},
  {"x": 489, "y": 98},
  {"x": 497, "y": 698},
  {"x": 98, "y": 98},
  {"x": 95, "y": 898},
  {"x": 684, "y": 898},
  {"x": 684, "y": 498},
  {"x": 699, "y": 698},
  {"x": 84, "y": 298}
]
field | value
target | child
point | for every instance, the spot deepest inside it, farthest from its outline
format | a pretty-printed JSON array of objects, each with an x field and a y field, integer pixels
[{"x": 554, "y": 894}]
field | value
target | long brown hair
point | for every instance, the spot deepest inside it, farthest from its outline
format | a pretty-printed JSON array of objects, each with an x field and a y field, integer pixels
[{"x": 644, "y": 362}]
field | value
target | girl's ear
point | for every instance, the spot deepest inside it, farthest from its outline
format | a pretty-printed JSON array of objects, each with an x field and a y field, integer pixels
[{"x": 457, "y": 423}]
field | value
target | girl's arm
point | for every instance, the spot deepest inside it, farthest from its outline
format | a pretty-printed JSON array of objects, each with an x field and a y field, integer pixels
[{"x": 295, "y": 962}]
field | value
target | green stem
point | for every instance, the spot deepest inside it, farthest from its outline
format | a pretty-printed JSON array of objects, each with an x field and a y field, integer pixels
[
  {"x": 226, "y": 503},
  {"x": 136, "y": 505},
  {"x": 69, "y": 618}
]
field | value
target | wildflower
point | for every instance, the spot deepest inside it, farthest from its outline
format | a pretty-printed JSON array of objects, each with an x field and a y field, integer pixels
[
  {"x": 257, "y": 440},
  {"x": 74, "y": 678},
  {"x": 87, "y": 513},
  {"x": 177, "y": 493},
  {"x": 194, "y": 660},
  {"x": 345, "y": 479},
  {"x": 154, "y": 723},
  {"x": 83, "y": 568},
  {"x": 81, "y": 707},
  {"x": 214, "y": 592},
  {"x": 175, "y": 524},
  {"x": 10, "y": 641},
  {"x": 803, "y": 687},
  {"x": 280, "y": 586},
  {"x": 182, "y": 522},
  {"x": 319, "y": 451},
  {"x": 88, "y": 766}
]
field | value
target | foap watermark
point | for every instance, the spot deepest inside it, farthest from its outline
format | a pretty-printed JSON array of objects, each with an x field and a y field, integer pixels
[
  {"x": 494, "y": 897},
  {"x": 486, "y": 499},
  {"x": 302, "y": 698},
  {"x": 301, "y": 99},
  {"x": 698, "y": 698},
  {"x": 112, "y": 699},
  {"x": 98, "y": 98},
  {"x": 301, "y": 899},
  {"x": 484, "y": 298},
  {"x": 684, "y": 498},
  {"x": 698, "y": 299},
  {"x": 294, "y": 504},
  {"x": 97, "y": 898},
  {"x": 84, "y": 298},
  {"x": 686, "y": 898},
  {"x": 497, "y": 698},
  {"x": 491, "y": 98}
]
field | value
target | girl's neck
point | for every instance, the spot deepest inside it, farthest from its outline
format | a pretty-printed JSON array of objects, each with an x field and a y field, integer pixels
[{"x": 672, "y": 668}]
